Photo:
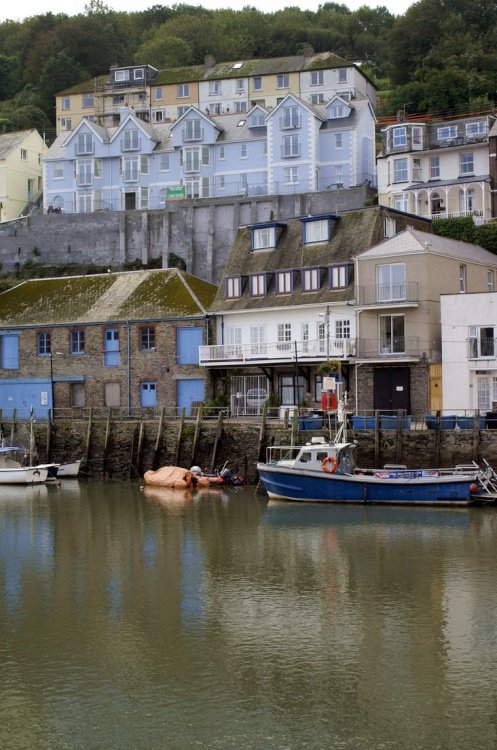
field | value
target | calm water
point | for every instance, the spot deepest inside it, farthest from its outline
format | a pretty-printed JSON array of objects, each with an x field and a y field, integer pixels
[{"x": 154, "y": 620}]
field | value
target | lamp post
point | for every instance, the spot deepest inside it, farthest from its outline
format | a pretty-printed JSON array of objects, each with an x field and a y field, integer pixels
[{"x": 326, "y": 316}]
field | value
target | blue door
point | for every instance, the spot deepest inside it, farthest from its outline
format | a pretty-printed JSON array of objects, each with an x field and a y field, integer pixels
[
  {"x": 30, "y": 398},
  {"x": 112, "y": 357},
  {"x": 188, "y": 341},
  {"x": 148, "y": 393},
  {"x": 188, "y": 392}
]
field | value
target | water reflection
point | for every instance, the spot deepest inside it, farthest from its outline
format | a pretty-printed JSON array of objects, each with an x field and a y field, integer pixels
[{"x": 163, "y": 619}]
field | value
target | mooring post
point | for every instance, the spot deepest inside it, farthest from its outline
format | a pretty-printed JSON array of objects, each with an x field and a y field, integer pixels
[
  {"x": 197, "y": 432},
  {"x": 88, "y": 437},
  {"x": 377, "y": 438},
  {"x": 107, "y": 439},
  {"x": 217, "y": 440},
  {"x": 180, "y": 435},
  {"x": 158, "y": 438}
]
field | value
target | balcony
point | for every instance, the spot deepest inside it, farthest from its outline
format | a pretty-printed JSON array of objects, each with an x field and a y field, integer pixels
[
  {"x": 403, "y": 293},
  {"x": 310, "y": 352},
  {"x": 401, "y": 347}
]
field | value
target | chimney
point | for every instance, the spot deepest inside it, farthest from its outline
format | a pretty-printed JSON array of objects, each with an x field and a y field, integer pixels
[
  {"x": 401, "y": 115},
  {"x": 308, "y": 50},
  {"x": 209, "y": 61}
]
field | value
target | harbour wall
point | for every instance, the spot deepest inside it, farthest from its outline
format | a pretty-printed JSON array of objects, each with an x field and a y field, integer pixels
[
  {"x": 125, "y": 449},
  {"x": 200, "y": 232}
]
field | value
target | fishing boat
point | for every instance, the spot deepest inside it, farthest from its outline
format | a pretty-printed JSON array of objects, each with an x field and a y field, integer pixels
[
  {"x": 64, "y": 471},
  {"x": 12, "y": 470},
  {"x": 326, "y": 472}
]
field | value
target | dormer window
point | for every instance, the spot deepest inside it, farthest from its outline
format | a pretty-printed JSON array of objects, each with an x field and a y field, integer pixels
[
  {"x": 258, "y": 120},
  {"x": 316, "y": 231},
  {"x": 338, "y": 110},
  {"x": 139, "y": 74},
  {"x": 233, "y": 287},
  {"x": 476, "y": 128},
  {"x": 263, "y": 237},
  {"x": 338, "y": 277},
  {"x": 399, "y": 137},
  {"x": 84, "y": 144},
  {"x": 447, "y": 132},
  {"x": 130, "y": 141},
  {"x": 193, "y": 130},
  {"x": 257, "y": 285},
  {"x": 284, "y": 282},
  {"x": 120, "y": 76},
  {"x": 311, "y": 279}
]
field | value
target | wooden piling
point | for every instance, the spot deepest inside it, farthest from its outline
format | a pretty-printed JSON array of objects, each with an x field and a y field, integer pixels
[
  {"x": 158, "y": 438},
  {"x": 197, "y": 432},
  {"x": 262, "y": 432},
  {"x": 377, "y": 450},
  {"x": 217, "y": 439},
  {"x": 180, "y": 435},
  {"x": 107, "y": 440},
  {"x": 88, "y": 437}
]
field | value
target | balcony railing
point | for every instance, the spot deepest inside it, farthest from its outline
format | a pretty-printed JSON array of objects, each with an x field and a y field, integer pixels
[
  {"x": 388, "y": 295},
  {"x": 278, "y": 351},
  {"x": 398, "y": 347}
]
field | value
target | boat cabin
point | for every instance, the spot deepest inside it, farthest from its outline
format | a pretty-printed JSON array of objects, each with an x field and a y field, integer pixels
[{"x": 318, "y": 455}]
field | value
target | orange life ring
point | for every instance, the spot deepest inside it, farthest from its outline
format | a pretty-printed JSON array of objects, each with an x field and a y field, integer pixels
[{"x": 329, "y": 464}]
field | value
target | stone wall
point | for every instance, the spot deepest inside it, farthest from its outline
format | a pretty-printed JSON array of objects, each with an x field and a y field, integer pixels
[
  {"x": 201, "y": 232},
  {"x": 241, "y": 445}
]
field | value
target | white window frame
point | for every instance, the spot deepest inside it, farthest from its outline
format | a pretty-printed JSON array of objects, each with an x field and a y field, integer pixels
[
  {"x": 233, "y": 287},
  {"x": 316, "y": 231},
  {"x": 263, "y": 237},
  {"x": 391, "y": 282},
  {"x": 311, "y": 279},
  {"x": 258, "y": 285},
  {"x": 284, "y": 282}
]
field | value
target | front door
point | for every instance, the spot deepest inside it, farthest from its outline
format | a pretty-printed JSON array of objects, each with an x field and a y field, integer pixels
[{"x": 392, "y": 389}]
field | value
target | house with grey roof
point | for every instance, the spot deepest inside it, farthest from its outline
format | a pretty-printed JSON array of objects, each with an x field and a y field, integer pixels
[
  {"x": 286, "y": 306},
  {"x": 294, "y": 148},
  {"x": 21, "y": 154},
  {"x": 124, "y": 340},
  {"x": 398, "y": 287}
]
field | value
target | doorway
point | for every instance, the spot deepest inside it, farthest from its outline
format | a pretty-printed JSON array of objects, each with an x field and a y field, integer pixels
[{"x": 392, "y": 389}]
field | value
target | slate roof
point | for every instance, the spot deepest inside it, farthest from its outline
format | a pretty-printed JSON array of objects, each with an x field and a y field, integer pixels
[
  {"x": 131, "y": 295},
  {"x": 257, "y": 67},
  {"x": 352, "y": 232},
  {"x": 10, "y": 141},
  {"x": 413, "y": 241}
]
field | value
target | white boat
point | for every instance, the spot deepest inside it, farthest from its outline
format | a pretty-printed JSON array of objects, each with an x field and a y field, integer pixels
[
  {"x": 13, "y": 472},
  {"x": 68, "y": 470}
]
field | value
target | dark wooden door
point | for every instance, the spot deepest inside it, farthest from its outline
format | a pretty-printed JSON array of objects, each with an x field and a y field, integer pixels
[{"x": 392, "y": 388}]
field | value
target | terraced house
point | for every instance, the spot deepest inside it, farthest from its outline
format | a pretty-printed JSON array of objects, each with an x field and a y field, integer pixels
[
  {"x": 215, "y": 88},
  {"x": 123, "y": 340},
  {"x": 294, "y": 148}
]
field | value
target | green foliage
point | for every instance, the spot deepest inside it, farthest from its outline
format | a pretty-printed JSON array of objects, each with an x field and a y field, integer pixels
[
  {"x": 459, "y": 228},
  {"x": 486, "y": 236}
]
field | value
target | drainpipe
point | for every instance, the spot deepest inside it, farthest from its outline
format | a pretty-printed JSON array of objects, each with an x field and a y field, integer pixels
[{"x": 129, "y": 366}]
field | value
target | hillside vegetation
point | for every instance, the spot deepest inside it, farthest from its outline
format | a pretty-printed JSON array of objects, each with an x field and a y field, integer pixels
[{"x": 439, "y": 57}]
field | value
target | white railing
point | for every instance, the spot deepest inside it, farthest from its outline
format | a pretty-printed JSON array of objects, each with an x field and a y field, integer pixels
[{"x": 278, "y": 351}]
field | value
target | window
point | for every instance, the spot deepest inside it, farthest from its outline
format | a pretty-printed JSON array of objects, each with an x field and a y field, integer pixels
[
  {"x": 221, "y": 152},
  {"x": 400, "y": 170},
  {"x": 338, "y": 277},
  {"x": 291, "y": 146},
  {"x": 389, "y": 226},
  {"x": 416, "y": 170},
  {"x": 481, "y": 341},
  {"x": 144, "y": 198},
  {"x": 290, "y": 175},
  {"x": 435, "y": 168},
  {"x": 214, "y": 88},
  {"x": 284, "y": 336},
  {"x": 183, "y": 90},
  {"x": 338, "y": 140},
  {"x": 66, "y": 102},
  {"x": 24, "y": 154},
  {"x": 243, "y": 151},
  {"x": 131, "y": 168},
  {"x": 339, "y": 176},
  {"x": 83, "y": 203},
  {"x": 257, "y": 285},
  {"x": 147, "y": 338},
  {"x": 77, "y": 342},
  {"x": 342, "y": 75},
  {"x": 240, "y": 107},
  {"x": 139, "y": 74},
  {"x": 240, "y": 85},
  {"x": 263, "y": 237},
  {"x": 490, "y": 281},
  {"x": 290, "y": 118},
  {"x": 112, "y": 355},
  {"x": 337, "y": 111},
  {"x": 233, "y": 287},
  {"x": 84, "y": 144},
  {"x": 447, "y": 132},
  {"x": 467, "y": 163},
  {"x": 284, "y": 282},
  {"x": 164, "y": 165},
  {"x": 43, "y": 343},
  {"x": 476, "y": 128},
  {"x": 65, "y": 123},
  {"x": 392, "y": 339},
  {"x": 112, "y": 394},
  {"x": 311, "y": 279},
  {"x": 400, "y": 202},
  {"x": 158, "y": 93},
  {"x": 130, "y": 141},
  {"x": 181, "y": 111},
  {"x": 243, "y": 184},
  {"x": 317, "y": 78},
  {"x": 58, "y": 171},
  {"x": 162, "y": 197},
  {"x": 399, "y": 137},
  {"x": 342, "y": 329},
  {"x": 317, "y": 98},
  {"x": 98, "y": 167},
  {"x": 258, "y": 342},
  {"x": 462, "y": 278},
  {"x": 193, "y": 130},
  {"x": 191, "y": 160},
  {"x": 467, "y": 200},
  {"x": 84, "y": 171},
  {"x": 316, "y": 231},
  {"x": 88, "y": 101},
  {"x": 120, "y": 75},
  {"x": 258, "y": 120},
  {"x": 486, "y": 392},
  {"x": 282, "y": 81},
  {"x": 9, "y": 351},
  {"x": 391, "y": 282},
  {"x": 221, "y": 182},
  {"x": 257, "y": 81}
]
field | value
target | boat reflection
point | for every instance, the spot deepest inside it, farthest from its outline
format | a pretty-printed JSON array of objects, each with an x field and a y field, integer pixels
[
  {"x": 168, "y": 497},
  {"x": 19, "y": 493}
]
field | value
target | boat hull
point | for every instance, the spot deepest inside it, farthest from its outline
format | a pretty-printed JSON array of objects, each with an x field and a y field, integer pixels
[
  {"x": 281, "y": 483},
  {"x": 23, "y": 475}
]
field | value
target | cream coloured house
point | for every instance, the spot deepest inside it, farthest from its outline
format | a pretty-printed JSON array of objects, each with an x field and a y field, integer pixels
[{"x": 21, "y": 170}]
